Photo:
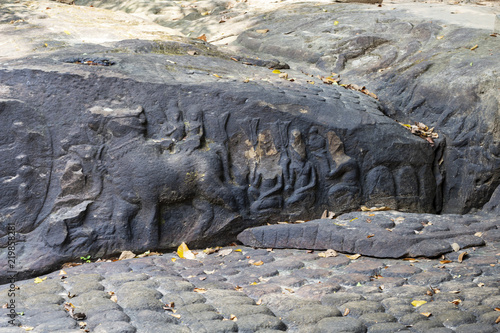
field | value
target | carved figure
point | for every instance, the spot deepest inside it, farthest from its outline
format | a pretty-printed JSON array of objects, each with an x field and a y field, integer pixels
[
  {"x": 174, "y": 129},
  {"x": 302, "y": 175},
  {"x": 318, "y": 148},
  {"x": 143, "y": 177}
]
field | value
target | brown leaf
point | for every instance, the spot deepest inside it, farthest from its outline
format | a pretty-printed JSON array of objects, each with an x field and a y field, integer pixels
[
  {"x": 427, "y": 314},
  {"x": 233, "y": 317},
  {"x": 497, "y": 309},
  {"x": 200, "y": 290},
  {"x": 370, "y": 236},
  {"x": 259, "y": 301},
  {"x": 445, "y": 261},
  {"x": 461, "y": 256},
  {"x": 126, "y": 255},
  {"x": 497, "y": 320},
  {"x": 202, "y": 37},
  {"x": 346, "y": 312},
  {"x": 238, "y": 288},
  {"x": 456, "y": 301}
]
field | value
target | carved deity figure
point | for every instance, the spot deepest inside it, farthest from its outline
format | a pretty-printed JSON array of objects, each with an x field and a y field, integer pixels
[
  {"x": 302, "y": 176},
  {"x": 318, "y": 148}
]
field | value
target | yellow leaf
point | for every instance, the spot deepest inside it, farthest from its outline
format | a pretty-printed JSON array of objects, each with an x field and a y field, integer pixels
[
  {"x": 439, "y": 37},
  {"x": 254, "y": 283},
  {"x": 39, "y": 280},
  {"x": 474, "y": 47},
  {"x": 258, "y": 263},
  {"x": 217, "y": 76},
  {"x": 238, "y": 250},
  {"x": 45, "y": 45},
  {"x": 353, "y": 257},
  {"x": 276, "y": 71},
  {"x": 173, "y": 259},
  {"x": 353, "y": 219},
  {"x": 62, "y": 272},
  {"x": 27, "y": 328},
  {"x": 67, "y": 32},
  {"x": 418, "y": 303},
  {"x": 182, "y": 249},
  {"x": 336, "y": 23}
]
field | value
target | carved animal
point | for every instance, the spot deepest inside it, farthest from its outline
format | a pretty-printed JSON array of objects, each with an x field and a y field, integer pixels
[{"x": 143, "y": 178}]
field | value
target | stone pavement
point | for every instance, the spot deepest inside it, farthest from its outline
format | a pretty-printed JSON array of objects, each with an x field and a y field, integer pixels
[{"x": 242, "y": 289}]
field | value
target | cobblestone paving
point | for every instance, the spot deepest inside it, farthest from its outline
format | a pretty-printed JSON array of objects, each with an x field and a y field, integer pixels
[{"x": 259, "y": 290}]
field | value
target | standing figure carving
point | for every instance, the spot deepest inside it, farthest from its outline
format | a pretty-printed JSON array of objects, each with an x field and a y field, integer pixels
[{"x": 302, "y": 176}]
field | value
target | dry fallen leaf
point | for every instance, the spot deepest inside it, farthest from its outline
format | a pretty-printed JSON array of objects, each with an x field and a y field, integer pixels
[
  {"x": 418, "y": 303},
  {"x": 178, "y": 316},
  {"x": 181, "y": 249},
  {"x": 224, "y": 253},
  {"x": 200, "y": 290},
  {"x": 353, "y": 257},
  {"x": 497, "y": 320},
  {"x": 291, "y": 291},
  {"x": 474, "y": 47},
  {"x": 370, "y": 236},
  {"x": 445, "y": 261},
  {"x": 327, "y": 215},
  {"x": 374, "y": 209},
  {"x": 454, "y": 292},
  {"x": 461, "y": 256},
  {"x": 259, "y": 301},
  {"x": 39, "y": 280},
  {"x": 202, "y": 37},
  {"x": 346, "y": 312},
  {"x": 62, "y": 272},
  {"x": 456, "y": 301},
  {"x": 478, "y": 234},
  {"x": 114, "y": 298},
  {"x": 238, "y": 288},
  {"x": 497, "y": 309},
  {"x": 328, "y": 253},
  {"x": 262, "y": 31},
  {"x": 126, "y": 255},
  {"x": 233, "y": 317},
  {"x": 258, "y": 263},
  {"x": 427, "y": 314}
]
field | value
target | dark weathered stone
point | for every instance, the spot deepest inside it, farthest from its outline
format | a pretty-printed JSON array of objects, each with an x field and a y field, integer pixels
[
  {"x": 357, "y": 233},
  {"x": 145, "y": 165}
]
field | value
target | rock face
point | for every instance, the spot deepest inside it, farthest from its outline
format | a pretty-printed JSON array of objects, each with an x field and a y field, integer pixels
[
  {"x": 423, "y": 70},
  {"x": 118, "y": 151}
]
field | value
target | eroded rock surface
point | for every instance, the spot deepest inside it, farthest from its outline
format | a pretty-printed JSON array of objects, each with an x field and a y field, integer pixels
[{"x": 119, "y": 144}]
